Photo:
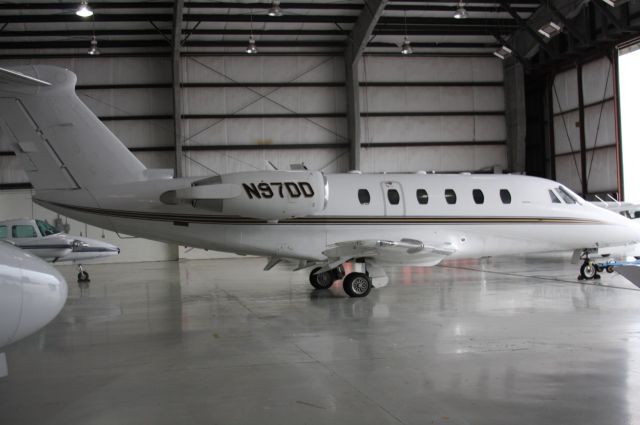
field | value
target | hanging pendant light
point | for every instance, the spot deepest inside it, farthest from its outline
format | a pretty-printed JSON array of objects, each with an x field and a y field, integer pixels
[
  {"x": 275, "y": 9},
  {"x": 84, "y": 11},
  {"x": 93, "y": 50},
  {"x": 461, "y": 12},
  {"x": 251, "y": 48},
  {"x": 406, "y": 47}
]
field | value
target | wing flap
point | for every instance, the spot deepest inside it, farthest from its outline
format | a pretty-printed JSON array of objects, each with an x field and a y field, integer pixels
[{"x": 389, "y": 251}]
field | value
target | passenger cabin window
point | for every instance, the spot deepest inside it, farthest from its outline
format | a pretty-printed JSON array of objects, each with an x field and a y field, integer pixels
[
  {"x": 553, "y": 197},
  {"x": 478, "y": 196},
  {"x": 450, "y": 196},
  {"x": 505, "y": 196},
  {"x": 393, "y": 196},
  {"x": 364, "y": 197},
  {"x": 566, "y": 197},
  {"x": 23, "y": 231},
  {"x": 423, "y": 196},
  {"x": 3, "y": 232}
]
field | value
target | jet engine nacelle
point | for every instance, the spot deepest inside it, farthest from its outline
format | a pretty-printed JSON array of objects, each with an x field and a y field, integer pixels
[{"x": 265, "y": 195}]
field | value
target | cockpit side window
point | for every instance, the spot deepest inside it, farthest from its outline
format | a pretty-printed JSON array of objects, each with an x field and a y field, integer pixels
[
  {"x": 45, "y": 228},
  {"x": 23, "y": 231},
  {"x": 3, "y": 232},
  {"x": 553, "y": 197},
  {"x": 566, "y": 197}
]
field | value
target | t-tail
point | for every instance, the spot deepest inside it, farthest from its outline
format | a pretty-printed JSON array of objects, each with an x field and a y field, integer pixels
[{"x": 59, "y": 141}]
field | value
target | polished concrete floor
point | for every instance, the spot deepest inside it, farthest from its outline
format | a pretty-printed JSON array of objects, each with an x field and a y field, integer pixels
[{"x": 498, "y": 341}]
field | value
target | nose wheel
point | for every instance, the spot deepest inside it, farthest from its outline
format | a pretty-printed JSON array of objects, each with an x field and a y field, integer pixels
[
  {"x": 588, "y": 271},
  {"x": 83, "y": 276}
]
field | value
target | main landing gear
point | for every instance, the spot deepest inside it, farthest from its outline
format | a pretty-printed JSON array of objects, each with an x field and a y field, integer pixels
[{"x": 355, "y": 284}]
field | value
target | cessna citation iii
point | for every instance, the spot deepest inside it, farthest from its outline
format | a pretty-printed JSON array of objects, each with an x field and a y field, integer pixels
[
  {"x": 81, "y": 170},
  {"x": 32, "y": 293}
]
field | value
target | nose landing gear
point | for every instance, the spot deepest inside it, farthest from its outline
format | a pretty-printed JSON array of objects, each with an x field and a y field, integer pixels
[
  {"x": 83, "y": 276},
  {"x": 589, "y": 270}
]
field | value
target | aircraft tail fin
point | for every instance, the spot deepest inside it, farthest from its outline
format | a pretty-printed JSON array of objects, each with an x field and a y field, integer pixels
[{"x": 59, "y": 141}]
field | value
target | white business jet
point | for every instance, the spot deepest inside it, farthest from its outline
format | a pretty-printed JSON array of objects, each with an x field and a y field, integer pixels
[
  {"x": 45, "y": 241},
  {"x": 32, "y": 293},
  {"x": 81, "y": 170}
]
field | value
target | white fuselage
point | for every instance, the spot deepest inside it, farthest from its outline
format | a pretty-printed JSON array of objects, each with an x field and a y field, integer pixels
[{"x": 530, "y": 222}]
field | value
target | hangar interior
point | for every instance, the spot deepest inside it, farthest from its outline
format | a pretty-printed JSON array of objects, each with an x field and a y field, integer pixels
[{"x": 379, "y": 86}]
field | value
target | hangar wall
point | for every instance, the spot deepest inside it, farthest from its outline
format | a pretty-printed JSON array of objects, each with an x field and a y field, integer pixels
[
  {"x": 598, "y": 150},
  {"x": 432, "y": 113}
]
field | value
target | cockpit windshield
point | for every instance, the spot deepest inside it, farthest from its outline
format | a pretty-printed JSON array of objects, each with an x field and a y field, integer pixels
[
  {"x": 45, "y": 228},
  {"x": 566, "y": 195}
]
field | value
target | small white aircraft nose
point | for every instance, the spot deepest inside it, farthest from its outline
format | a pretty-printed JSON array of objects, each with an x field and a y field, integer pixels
[
  {"x": 44, "y": 293},
  {"x": 32, "y": 293}
]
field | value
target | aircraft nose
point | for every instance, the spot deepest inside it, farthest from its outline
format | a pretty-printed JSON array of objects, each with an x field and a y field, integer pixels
[{"x": 44, "y": 293}]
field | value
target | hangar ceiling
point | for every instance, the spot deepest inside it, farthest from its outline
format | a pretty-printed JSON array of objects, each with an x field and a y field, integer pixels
[{"x": 304, "y": 26}]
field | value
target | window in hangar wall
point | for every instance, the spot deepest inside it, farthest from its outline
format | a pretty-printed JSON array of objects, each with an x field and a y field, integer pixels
[{"x": 629, "y": 86}]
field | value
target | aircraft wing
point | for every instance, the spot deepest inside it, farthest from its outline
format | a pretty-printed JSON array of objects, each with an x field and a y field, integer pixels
[{"x": 386, "y": 251}]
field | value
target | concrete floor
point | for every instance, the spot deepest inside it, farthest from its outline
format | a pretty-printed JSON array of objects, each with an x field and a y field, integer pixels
[{"x": 500, "y": 341}]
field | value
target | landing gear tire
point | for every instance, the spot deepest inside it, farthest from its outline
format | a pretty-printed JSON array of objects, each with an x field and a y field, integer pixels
[
  {"x": 588, "y": 270},
  {"x": 322, "y": 280},
  {"x": 357, "y": 285},
  {"x": 83, "y": 276}
]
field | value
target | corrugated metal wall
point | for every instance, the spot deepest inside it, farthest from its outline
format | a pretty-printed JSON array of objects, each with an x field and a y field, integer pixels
[
  {"x": 434, "y": 113},
  {"x": 600, "y": 152}
]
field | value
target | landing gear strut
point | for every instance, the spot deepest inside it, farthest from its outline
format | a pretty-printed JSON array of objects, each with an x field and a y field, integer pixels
[{"x": 83, "y": 276}]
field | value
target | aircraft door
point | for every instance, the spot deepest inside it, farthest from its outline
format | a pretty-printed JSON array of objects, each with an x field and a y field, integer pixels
[{"x": 394, "y": 203}]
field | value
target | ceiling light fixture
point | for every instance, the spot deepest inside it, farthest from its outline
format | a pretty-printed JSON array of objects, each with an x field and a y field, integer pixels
[
  {"x": 251, "y": 48},
  {"x": 503, "y": 52},
  {"x": 406, "y": 47},
  {"x": 93, "y": 50},
  {"x": 275, "y": 9},
  {"x": 550, "y": 29},
  {"x": 461, "y": 12},
  {"x": 84, "y": 11}
]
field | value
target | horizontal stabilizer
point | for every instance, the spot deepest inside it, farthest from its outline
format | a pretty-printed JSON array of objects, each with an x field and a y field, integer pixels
[{"x": 10, "y": 76}]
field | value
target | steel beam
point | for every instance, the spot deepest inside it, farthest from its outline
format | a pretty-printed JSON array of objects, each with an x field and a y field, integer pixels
[
  {"x": 533, "y": 33},
  {"x": 356, "y": 42},
  {"x": 583, "y": 139},
  {"x": 177, "y": 95}
]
